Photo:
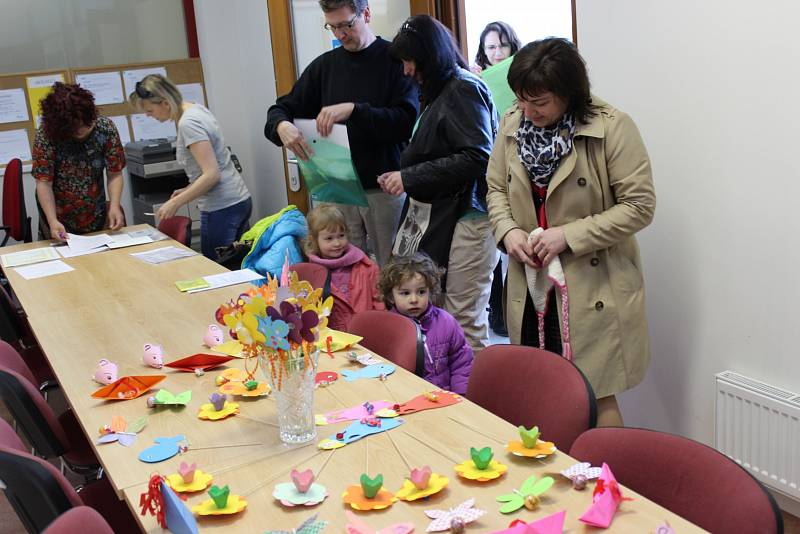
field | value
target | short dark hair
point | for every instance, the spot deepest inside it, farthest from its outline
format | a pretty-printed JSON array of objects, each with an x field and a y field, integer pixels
[
  {"x": 402, "y": 268},
  {"x": 507, "y": 35},
  {"x": 66, "y": 109},
  {"x": 430, "y": 45},
  {"x": 358, "y": 6},
  {"x": 554, "y": 65}
]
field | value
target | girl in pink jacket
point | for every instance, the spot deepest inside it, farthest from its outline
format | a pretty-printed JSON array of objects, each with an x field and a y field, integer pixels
[{"x": 353, "y": 276}]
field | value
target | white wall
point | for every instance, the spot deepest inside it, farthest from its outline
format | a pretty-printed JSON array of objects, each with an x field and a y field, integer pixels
[
  {"x": 236, "y": 53},
  {"x": 712, "y": 87}
]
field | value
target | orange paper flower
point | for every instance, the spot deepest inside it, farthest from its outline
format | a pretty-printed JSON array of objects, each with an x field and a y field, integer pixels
[
  {"x": 354, "y": 496},
  {"x": 542, "y": 449}
]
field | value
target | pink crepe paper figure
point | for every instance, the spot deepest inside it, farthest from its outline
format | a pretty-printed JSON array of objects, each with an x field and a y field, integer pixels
[
  {"x": 552, "y": 524},
  {"x": 285, "y": 272},
  {"x": 214, "y": 336},
  {"x": 153, "y": 355},
  {"x": 186, "y": 471},
  {"x": 106, "y": 372},
  {"x": 606, "y": 499}
]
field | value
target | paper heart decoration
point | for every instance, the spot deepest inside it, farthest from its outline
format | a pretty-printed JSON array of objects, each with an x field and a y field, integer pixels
[
  {"x": 214, "y": 336},
  {"x": 421, "y": 477},
  {"x": 218, "y": 400},
  {"x": 302, "y": 481},
  {"x": 153, "y": 355},
  {"x": 220, "y": 495},
  {"x": 371, "y": 486},
  {"x": 106, "y": 372},
  {"x": 481, "y": 458},
  {"x": 529, "y": 437},
  {"x": 186, "y": 472}
]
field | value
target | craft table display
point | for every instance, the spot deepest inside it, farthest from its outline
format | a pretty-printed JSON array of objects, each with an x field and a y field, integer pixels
[{"x": 111, "y": 305}]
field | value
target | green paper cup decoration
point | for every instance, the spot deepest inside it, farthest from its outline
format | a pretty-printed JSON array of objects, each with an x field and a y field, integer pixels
[
  {"x": 220, "y": 495},
  {"x": 529, "y": 437},
  {"x": 481, "y": 458},
  {"x": 371, "y": 486}
]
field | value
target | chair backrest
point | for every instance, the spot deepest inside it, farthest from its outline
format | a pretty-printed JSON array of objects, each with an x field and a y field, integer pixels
[
  {"x": 387, "y": 334},
  {"x": 313, "y": 273},
  {"x": 533, "y": 387},
  {"x": 78, "y": 520},
  {"x": 11, "y": 359},
  {"x": 36, "y": 490},
  {"x": 14, "y": 213},
  {"x": 178, "y": 227},
  {"x": 688, "y": 478}
]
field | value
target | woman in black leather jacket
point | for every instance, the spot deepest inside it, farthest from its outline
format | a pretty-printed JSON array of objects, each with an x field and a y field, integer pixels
[{"x": 444, "y": 172}]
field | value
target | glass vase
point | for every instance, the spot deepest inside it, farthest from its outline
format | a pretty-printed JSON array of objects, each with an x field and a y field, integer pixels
[{"x": 294, "y": 398}]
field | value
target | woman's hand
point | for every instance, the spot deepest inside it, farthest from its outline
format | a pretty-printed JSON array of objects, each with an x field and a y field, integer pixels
[
  {"x": 330, "y": 115},
  {"x": 178, "y": 191},
  {"x": 116, "y": 219},
  {"x": 517, "y": 246},
  {"x": 293, "y": 140},
  {"x": 391, "y": 183},
  {"x": 549, "y": 244},
  {"x": 57, "y": 231},
  {"x": 475, "y": 69},
  {"x": 168, "y": 209}
]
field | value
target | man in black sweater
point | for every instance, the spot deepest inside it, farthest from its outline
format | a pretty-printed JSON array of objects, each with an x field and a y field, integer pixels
[{"x": 361, "y": 86}]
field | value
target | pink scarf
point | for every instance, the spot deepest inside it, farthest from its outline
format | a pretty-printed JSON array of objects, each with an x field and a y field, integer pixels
[{"x": 340, "y": 267}]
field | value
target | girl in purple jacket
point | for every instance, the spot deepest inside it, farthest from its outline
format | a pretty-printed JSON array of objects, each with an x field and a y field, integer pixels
[{"x": 408, "y": 284}]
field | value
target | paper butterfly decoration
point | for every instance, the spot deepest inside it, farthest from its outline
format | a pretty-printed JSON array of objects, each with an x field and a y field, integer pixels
[
  {"x": 370, "y": 371},
  {"x": 552, "y": 524},
  {"x": 162, "y": 502},
  {"x": 165, "y": 398},
  {"x": 464, "y": 512},
  {"x": 214, "y": 336},
  {"x": 309, "y": 526},
  {"x": 106, "y": 372},
  {"x": 606, "y": 499},
  {"x": 527, "y": 495},
  {"x": 153, "y": 355},
  {"x": 120, "y": 432},
  {"x": 580, "y": 473},
  {"x": 358, "y": 430},
  {"x": 357, "y": 526},
  {"x": 164, "y": 449}
]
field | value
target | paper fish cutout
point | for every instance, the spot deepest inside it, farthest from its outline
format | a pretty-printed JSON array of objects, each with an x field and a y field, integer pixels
[
  {"x": 356, "y": 413},
  {"x": 153, "y": 355},
  {"x": 164, "y": 449},
  {"x": 339, "y": 340},
  {"x": 189, "y": 479},
  {"x": 606, "y": 499},
  {"x": 301, "y": 490},
  {"x": 358, "y": 430},
  {"x": 527, "y": 495},
  {"x": 426, "y": 402},
  {"x": 231, "y": 348},
  {"x": 214, "y": 336},
  {"x": 128, "y": 387},
  {"x": 357, "y": 526},
  {"x": 370, "y": 371},
  {"x": 324, "y": 378},
  {"x": 199, "y": 361},
  {"x": 552, "y": 524},
  {"x": 121, "y": 432},
  {"x": 442, "y": 519},
  {"x": 165, "y": 504},
  {"x": 106, "y": 372},
  {"x": 309, "y": 526},
  {"x": 165, "y": 398}
]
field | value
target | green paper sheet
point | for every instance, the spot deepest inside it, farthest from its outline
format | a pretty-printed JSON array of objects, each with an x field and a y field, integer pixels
[
  {"x": 330, "y": 175},
  {"x": 496, "y": 78}
]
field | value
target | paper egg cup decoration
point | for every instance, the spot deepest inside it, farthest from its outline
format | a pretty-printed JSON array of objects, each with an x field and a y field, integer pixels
[
  {"x": 356, "y": 526},
  {"x": 218, "y": 408},
  {"x": 153, "y": 355},
  {"x": 482, "y": 467},
  {"x": 421, "y": 483},
  {"x": 121, "y": 432},
  {"x": 220, "y": 503},
  {"x": 213, "y": 337},
  {"x": 368, "y": 495},
  {"x": 581, "y": 473},
  {"x": 106, "y": 372},
  {"x": 235, "y": 382},
  {"x": 201, "y": 361},
  {"x": 527, "y": 496},
  {"x": 301, "y": 491},
  {"x": 449, "y": 520},
  {"x": 128, "y": 387},
  {"x": 189, "y": 479},
  {"x": 530, "y": 446}
]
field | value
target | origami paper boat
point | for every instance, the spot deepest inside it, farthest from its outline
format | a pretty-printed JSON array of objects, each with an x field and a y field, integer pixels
[
  {"x": 199, "y": 361},
  {"x": 128, "y": 387}
]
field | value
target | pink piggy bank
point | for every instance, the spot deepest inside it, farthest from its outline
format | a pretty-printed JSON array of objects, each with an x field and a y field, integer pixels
[
  {"x": 214, "y": 336},
  {"x": 106, "y": 372},
  {"x": 153, "y": 355}
]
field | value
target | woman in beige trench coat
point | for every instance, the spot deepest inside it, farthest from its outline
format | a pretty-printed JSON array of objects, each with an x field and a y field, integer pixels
[{"x": 570, "y": 163}]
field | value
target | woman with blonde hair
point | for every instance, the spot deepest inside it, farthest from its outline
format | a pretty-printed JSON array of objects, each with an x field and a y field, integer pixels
[{"x": 214, "y": 182}]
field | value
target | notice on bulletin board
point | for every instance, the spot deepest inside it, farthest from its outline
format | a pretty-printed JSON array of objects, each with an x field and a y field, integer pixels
[
  {"x": 38, "y": 88},
  {"x": 130, "y": 77},
  {"x": 192, "y": 92},
  {"x": 105, "y": 86},
  {"x": 145, "y": 127},
  {"x": 14, "y": 144},
  {"x": 121, "y": 122},
  {"x": 12, "y": 106}
]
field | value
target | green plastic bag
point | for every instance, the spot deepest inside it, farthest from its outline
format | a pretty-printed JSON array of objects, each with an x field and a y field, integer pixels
[
  {"x": 330, "y": 175},
  {"x": 496, "y": 78}
]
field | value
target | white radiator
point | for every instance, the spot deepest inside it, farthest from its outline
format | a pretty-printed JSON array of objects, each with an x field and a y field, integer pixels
[{"x": 758, "y": 426}]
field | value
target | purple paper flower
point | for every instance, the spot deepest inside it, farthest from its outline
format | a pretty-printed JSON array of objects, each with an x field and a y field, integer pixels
[
  {"x": 289, "y": 314},
  {"x": 309, "y": 320}
]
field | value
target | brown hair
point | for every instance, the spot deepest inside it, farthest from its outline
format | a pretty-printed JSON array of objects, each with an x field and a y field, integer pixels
[
  {"x": 403, "y": 268},
  {"x": 318, "y": 219},
  {"x": 358, "y": 6},
  {"x": 506, "y": 34},
  {"x": 65, "y": 110}
]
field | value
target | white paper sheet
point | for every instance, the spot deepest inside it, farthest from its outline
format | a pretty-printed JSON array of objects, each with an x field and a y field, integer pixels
[
  {"x": 133, "y": 76},
  {"x": 121, "y": 122},
  {"x": 83, "y": 243},
  {"x": 308, "y": 127},
  {"x": 145, "y": 127},
  {"x": 126, "y": 240},
  {"x": 12, "y": 106},
  {"x": 192, "y": 92},
  {"x": 14, "y": 144},
  {"x": 65, "y": 252},
  {"x": 40, "y": 270},
  {"x": 163, "y": 254},
  {"x": 47, "y": 80},
  {"x": 152, "y": 233},
  {"x": 227, "y": 279},
  {"x": 27, "y": 257},
  {"x": 105, "y": 86}
]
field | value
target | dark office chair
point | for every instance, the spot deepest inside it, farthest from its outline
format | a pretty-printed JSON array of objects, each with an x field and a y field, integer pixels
[{"x": 16, "y": 222}]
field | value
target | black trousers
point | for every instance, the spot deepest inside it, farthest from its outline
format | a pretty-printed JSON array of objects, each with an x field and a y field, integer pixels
[{"x": 552, "y": 328}]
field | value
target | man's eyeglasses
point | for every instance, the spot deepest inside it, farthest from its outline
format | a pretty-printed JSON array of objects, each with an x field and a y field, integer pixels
[
  {"x": 142, "y": 92},
  {"x": 492, "y": 48},
  {"x": 343, "y": 26}
]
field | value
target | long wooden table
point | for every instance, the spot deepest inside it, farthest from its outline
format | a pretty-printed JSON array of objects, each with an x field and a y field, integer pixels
[{"x": 112, "y": 304}]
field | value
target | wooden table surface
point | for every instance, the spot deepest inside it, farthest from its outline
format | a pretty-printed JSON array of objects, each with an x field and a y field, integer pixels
[{"x": 112, "y": 304}]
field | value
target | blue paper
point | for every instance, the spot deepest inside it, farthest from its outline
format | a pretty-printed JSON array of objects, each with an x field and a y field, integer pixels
[
  {"x": 358, "y": 430},
  {"x": 370, "y": 371},
  {"x": 179, "y": 518},
  {"x": 164, "y": 449}
]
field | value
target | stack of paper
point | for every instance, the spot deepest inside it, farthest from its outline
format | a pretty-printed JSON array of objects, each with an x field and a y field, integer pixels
[
  {"x": 231, "y": 278},
  {"x": 163, "y": 254},
  {"x": 27, "y": 257},
  {"x": 79, "y": 244}
]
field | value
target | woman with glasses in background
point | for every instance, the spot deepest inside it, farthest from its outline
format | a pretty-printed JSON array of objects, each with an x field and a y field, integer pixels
[
  {"x": 498, "y": 41},
  {"x": 214, "y": 182}
]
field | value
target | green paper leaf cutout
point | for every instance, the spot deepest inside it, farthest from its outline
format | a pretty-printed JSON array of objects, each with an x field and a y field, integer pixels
[
  {"x": 529, "y": 437},
  {"x": 220, "y": 495},
  {"x": 137, "y": 425},
  {"x": 513, "y": 503},
  {"x": 165, "y": 397},
  {"x": 371, "y": 486},
  {"x": 540, "y": 487},
  {"x": 481, "y": 458}
]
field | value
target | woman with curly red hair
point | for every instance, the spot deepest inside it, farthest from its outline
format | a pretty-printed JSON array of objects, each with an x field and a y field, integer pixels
[{"x": 73, "y": 146}]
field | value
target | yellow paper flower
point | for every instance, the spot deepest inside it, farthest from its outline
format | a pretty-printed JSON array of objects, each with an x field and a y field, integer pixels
[
  {"x": 354, "y": 496},
  {"x": 201, "y": 481},
  {"x": 409, "y": 491},
  {"x": 238, "y": 388},
  {"x": 469, "y": 471},
  {"x": 542, "y": 449},
  {"x": 256, "y": 306},
  {"x": 330, "y": 444},
  {"x": 235, "y": 505},
  {"x": 208, "y": 412}
]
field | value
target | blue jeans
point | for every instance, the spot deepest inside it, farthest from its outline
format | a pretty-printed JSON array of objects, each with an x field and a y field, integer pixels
[{"x": 223, "y": 227}]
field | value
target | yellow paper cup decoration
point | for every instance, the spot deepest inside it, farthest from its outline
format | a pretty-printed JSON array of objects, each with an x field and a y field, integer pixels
[
  {"x": 422, "y": 483},
  {"x": 220, "y": 503},
  {"x": 481, "y": 467},
  {"x": 369, "y": 495},
  {"x": 530, "y": 446}
]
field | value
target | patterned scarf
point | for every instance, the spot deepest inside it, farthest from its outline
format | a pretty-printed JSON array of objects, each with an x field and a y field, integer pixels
[{"x": 540, "y": 149}]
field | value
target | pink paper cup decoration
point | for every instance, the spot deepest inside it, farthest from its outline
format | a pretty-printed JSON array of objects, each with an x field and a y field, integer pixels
[
  {"x": 421, "y": 477},
  {"x": 214, "y": 336},
  {"x": 106, "y": 372},
  {"x": 218, "y": 400},
  {"x": 302, "y": 480},
  {"x": 153, "y": 355},
  {"x": 187, "y": 471}
]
